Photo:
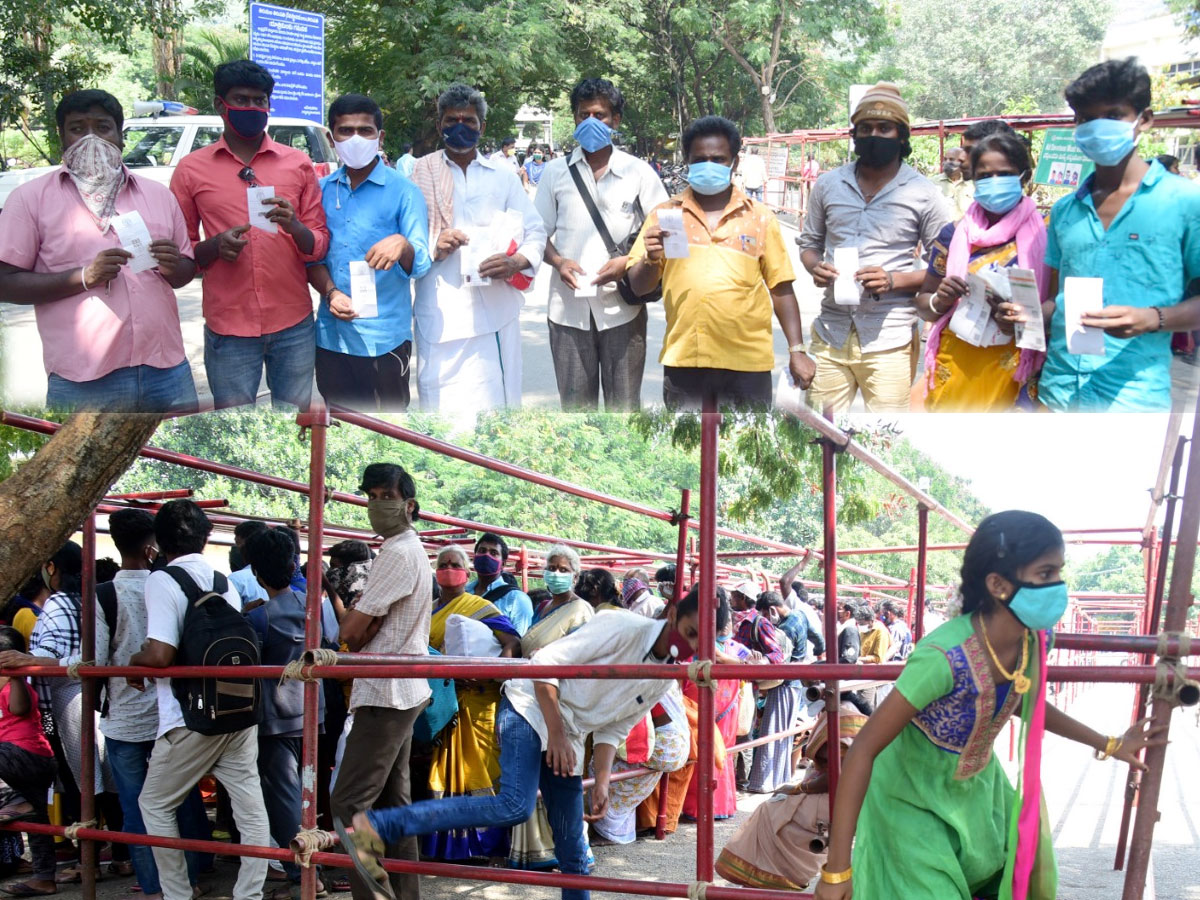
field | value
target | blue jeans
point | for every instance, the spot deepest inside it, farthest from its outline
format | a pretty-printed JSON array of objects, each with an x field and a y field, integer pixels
[
  {"x": 522, "y": 771},
  {"x": 129, "y": 761},
  {"x": 279, "y": 772},
  {"x": 142, "y": 389},
  {"x": 234, "y": 365},
  {"x": 755, "y": 193}
]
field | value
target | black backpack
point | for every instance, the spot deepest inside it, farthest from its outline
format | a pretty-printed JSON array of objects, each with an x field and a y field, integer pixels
[{"x": 215, "y": 634}]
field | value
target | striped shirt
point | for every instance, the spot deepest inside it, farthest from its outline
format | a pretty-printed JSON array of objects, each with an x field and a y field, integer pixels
[{"x": 399, "y": 590}]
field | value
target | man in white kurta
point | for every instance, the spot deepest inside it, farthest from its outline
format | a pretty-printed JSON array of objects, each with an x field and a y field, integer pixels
[{"x": 469, "y": 336}]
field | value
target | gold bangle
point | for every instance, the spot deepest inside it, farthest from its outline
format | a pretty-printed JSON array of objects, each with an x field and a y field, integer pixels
[
  {"x": 836, "y": 877},
  {"x": 1110, "y": 747}
]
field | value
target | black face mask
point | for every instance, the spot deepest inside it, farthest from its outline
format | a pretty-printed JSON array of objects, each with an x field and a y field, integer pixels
[{"x": 877, "y": 152}]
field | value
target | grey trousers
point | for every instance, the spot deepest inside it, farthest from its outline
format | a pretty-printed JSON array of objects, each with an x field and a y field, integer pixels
[
  {"x": 586, "y": 361},
  {"x": 374, "y": 773}
]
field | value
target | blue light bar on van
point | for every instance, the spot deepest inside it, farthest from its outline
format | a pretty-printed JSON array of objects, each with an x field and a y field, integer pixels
[{"x": 161, "y": 107}]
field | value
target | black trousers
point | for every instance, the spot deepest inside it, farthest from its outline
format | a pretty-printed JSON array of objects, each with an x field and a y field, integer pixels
[
  {"x": 30, "y": 776},
  {"x": 365, "y": 383},
  {"x": 688, "y": 387}
]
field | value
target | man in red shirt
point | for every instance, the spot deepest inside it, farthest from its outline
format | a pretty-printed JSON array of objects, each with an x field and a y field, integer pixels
[{"x": 261, "y": 209}]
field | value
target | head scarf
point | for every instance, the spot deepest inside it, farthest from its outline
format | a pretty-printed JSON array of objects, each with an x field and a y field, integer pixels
[
  {"x": 850, "y": 723},
  {"x": 95, "y": 166},
  {"x": 631, "y": 587}
]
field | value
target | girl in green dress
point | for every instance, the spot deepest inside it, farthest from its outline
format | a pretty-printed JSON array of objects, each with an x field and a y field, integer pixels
[{"x": 936, "y": 817}]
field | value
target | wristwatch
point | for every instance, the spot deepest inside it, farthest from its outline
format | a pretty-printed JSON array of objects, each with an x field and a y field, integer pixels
[
  {"x": 327, "y": 297},
  {"x": 797, "y": 348}
]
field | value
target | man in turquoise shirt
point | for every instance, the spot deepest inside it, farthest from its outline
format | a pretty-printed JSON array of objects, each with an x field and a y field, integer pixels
[
  {"x": 378, "y": 217},
  {"x": 1138, "y": 228}
]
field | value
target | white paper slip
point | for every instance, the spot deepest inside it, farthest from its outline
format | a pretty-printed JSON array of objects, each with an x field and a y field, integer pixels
[
  {"x": 846, "y": 291},
  {"x": 130, "y": 229},
  {"x": 362, "y": 290},
  {"x": 471, "y": 254},
  {"x": 1030, "y": 334},
  {"x": 1081, "y": 296},
  {"x": 255, "y": 195},
  {"x": 675, "y": 242},
  {"x": 592, "y": 260}
]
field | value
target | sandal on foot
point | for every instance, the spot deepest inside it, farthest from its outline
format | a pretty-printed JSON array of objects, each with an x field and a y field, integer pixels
[
  {"x": 23, "y": 889},
  {"x": 365, "y": 852},
  {"x": 120, "y": 867},
  {"x": 339, "y": 884}
]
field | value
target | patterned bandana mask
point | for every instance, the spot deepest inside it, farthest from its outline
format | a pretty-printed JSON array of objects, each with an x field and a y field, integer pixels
[{"x": 95, "y": 166}]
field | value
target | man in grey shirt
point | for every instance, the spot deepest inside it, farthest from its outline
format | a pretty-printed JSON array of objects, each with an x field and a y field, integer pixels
[
  {"x": 596, "y": 338},
  {"x": 886, "y": 210}
]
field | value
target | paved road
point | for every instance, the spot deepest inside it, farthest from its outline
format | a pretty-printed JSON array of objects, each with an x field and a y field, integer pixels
[{"x": 23, "y": 375}]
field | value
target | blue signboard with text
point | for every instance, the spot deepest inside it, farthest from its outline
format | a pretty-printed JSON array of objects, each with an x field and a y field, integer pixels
[{"x": 290, "y": 44}]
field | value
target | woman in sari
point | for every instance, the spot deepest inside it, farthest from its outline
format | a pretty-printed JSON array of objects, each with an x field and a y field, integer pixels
[
  {"x": 966, "y": 833},
  {"x": 532, "y": 841},
  {"x": 1002, "y": 229},
  {"x": 467, "y": 762}
]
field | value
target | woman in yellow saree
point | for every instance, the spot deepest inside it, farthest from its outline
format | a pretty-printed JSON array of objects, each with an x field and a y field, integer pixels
[{"x": 468, "y": 758}]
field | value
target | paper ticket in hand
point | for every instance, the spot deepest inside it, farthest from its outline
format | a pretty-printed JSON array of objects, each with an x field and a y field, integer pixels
[
  {"x": 362, "y": 290},
  {"x": 255, "y": 195},
  {"x": 1082, "y": 296},
  {"x": 592, "y": 260},
  {"x": 473, "y": 253},
  {"x": 1030, "y": 334},
  {"x": 675, "y": 242},
  {"x": 846, "y": 291},
  {"x": 130, "y": 229}
]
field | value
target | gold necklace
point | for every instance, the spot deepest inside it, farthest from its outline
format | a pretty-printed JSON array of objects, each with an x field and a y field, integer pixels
[{"x": 1020, "y": 681}]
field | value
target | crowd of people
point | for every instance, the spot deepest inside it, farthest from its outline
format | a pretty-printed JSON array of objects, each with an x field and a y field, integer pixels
[
  {"x": 452, "y": 770},
  {"x": 429, "y": 263}
]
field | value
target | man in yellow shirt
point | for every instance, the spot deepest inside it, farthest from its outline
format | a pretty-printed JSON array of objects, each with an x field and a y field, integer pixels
[{"x": 720, "y": 297}]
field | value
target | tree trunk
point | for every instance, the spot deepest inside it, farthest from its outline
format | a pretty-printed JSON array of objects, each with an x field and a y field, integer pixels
[{"x": 47, "y": 499}]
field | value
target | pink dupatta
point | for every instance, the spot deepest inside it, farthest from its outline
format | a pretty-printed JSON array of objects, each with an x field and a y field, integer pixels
[{"x": 1023, "y": 222}]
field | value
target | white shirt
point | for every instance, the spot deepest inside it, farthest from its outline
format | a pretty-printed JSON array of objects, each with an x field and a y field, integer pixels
[
  {"x": 647, "y": 604},
  {"x": 754, "y": 171},
  {"x": 575, "y": 236},
  {"x": 445, "y": 309},
  {"x": 511, "y": 161},
  {"x": 603, "y": 708},
  {"x": 132, "y": 714},
  {"x": 165, "y": 606}
]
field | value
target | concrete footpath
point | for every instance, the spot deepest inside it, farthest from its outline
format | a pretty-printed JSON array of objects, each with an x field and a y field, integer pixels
[{"x": 1084, "y": 799}]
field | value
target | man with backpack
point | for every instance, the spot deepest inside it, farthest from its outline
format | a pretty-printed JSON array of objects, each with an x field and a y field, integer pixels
[
  {"x": 279, "y": 624},
  {"x": 204, "y": 724}
]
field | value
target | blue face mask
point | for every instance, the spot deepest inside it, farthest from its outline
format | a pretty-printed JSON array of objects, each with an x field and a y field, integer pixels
[
  {"x": 593, "y": 135},
  {"x": 1039, "y": 606},
  {"x": 999, "y": 193},
  {"x": 460, "y": 137},
  {"x": 721, "y": 639},
  {"x": 1105, "y": 141},
  {"x": 709, "y": 177}
]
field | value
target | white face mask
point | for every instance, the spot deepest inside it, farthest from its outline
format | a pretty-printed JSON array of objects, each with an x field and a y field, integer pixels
[{"x": 357, "y": 152}]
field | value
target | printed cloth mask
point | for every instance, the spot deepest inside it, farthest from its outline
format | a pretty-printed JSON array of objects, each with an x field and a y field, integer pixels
[
  {"x": 877, "y": 152},
  {"x": 46, "y": 576},
  {"x": 357, "y": 152},
  {"x": 678, "y": 646},
  {"x": 486, "y": 565},
  {"x": 709, "y": 177},
  {"x": 593, "y": 135},
  {"x": 1105, "y": 141},
  {"x": 388, "y": 517},
  {"x": 558, "y": 582},
  {"x": 460, "y": 136},
  {"x": 248, "y": 122},
  {"x": 452, "y": 578},
  {"x": 1039, "y": 606},
  {"x": 999, "y": 193},
  {"x": 95, "y": 166}
]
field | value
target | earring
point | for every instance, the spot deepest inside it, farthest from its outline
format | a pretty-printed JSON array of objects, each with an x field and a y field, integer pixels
[{"x": 1004, "y": 596}]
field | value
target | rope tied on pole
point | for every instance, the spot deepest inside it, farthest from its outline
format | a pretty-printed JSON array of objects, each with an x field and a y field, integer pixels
[
  {"x": 700, "y": 671},
  {"x": 71, "y": 832},
  {"x": 698, "y": 890},
  {"x": 300, "y": 669},
  {"x": 309, "y": 841},
  {"x": 73, "y": 668},
  {"x": 1164, "y": 639}
]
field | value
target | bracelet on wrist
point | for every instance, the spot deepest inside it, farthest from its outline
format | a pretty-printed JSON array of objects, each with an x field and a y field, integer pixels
[
  {"x": 836, "y": 877},
  {"x": 796, "y": 348},
  {"x": 891, "y": 282},
  {"x": 933, "y": 305},
  {"x": 1162, "y": 320},
  {"x": 1111, "y": 746},
  {"x": 83, "y": 277}
]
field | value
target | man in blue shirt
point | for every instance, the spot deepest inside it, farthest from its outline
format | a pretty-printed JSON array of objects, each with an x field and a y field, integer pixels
[
  {"x": 492, "y": 584},
  {"x": 1134, "y": 226},
  {"x": 377, "y": 216}
]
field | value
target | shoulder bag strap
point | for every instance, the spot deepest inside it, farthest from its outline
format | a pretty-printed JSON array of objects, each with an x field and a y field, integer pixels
[{"x": 597, "y": 220}]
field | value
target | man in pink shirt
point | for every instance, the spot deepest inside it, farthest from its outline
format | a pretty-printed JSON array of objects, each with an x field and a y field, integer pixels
[
  {"x": 257, "y": 308},
  {"x": 110, "y": 336}
]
